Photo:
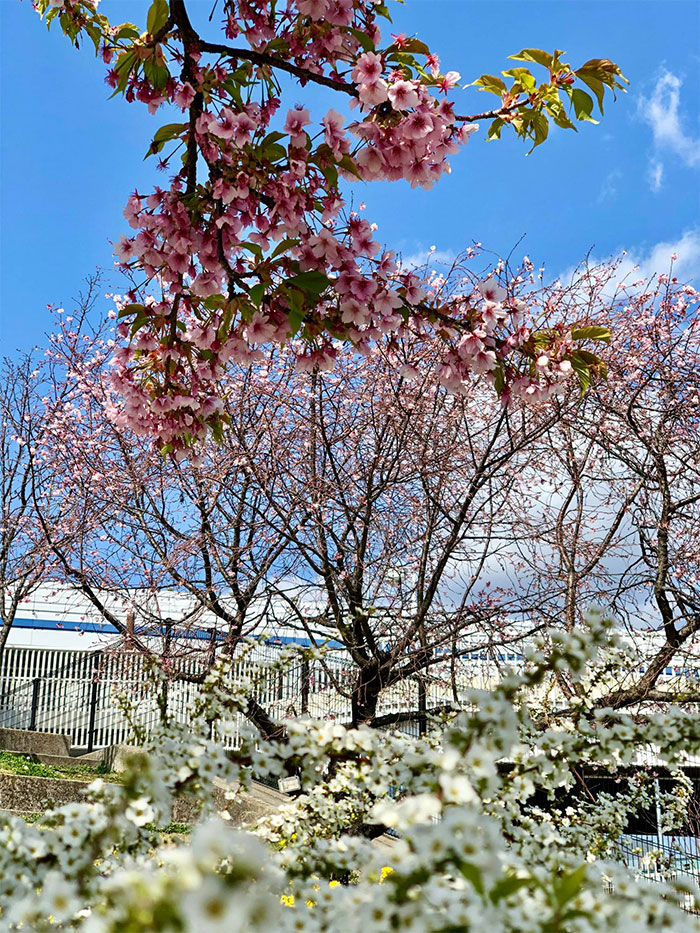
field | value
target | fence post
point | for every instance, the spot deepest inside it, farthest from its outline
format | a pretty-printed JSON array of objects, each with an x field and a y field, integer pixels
[
  {"x": 94, "y": 686},
  {"x": 422, "y": 707},
  {"x": 36, "y": 684},
  {"x": 305, "y": 684}
]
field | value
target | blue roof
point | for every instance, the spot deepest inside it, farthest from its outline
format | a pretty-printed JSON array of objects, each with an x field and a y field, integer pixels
[{"x": 201, "y": 634}]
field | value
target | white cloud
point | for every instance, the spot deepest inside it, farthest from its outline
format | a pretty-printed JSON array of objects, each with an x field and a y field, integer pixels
[
  {"x": 431, "y": 257},
  {"x": 657, "y": 259},
  {"x": 656, "y": 174},
  {"x": 608, "y": 190},
  {"x": 662, "y": 112},
  {"x": 641, "y": 265}
]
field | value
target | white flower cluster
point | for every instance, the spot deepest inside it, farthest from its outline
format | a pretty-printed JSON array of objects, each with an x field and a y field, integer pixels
[{"x": 485, "y": 831}]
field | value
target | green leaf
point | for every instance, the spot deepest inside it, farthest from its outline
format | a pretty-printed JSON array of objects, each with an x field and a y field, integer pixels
[
  {"x": 521, "y": 77},
  {"x": 272, "y": 138},
  {"x": 473, "y": 876},
  {"x": 157, "y": 16},
  {"x": 604, "y": 70},
  {"x": 131, "y": 309},
  {"x": 254, "y": 248},
  {"x": 583, "y": 105},
  {"x": 539, "y": 129},
  {"x": 505, "y": 887},
  {"x": 156, "y": 73},
  {"x": 139, "y": 321},
  {"x": 348, "y": 164},
  {"x": 413, "y": 46},
  {"x": 164, "y": 135},
  {"x": 296, "y": 319},
  {"x": 494, "y": 131},
  {"x": 596, "y": 86},
  {"x": 224, "y": 327},
  {"x": 592, "y": 333},
  {"x": 257, "y": 293},
  {"x": 217, "y": 431},
  {"x": 498, "y": 380},
  {"x": 212, "y": 302},
  {"x": 381, "y": 9},
  {"x": 491, "y": 83},
  {"x": 283, "y": 246},
  {"x": 95, "y": 34},
  {"x": 314, "y": 283},
  {"x": 587, "y": 357},
  {"x": 582, "y": 371},
  {"x": 363, "y": 39},
  {"x": 127, "y": 31},
  {"x": 558, "y": 114},
  {"x": 569, "y": 884},
  {"x": 273, "y": 152},
  {"x": 123, "y": 67},
  {"x": 534, "y": 55}
]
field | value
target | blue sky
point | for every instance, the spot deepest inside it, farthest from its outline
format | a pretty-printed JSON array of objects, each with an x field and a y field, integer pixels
[{"x": 70, "y": 156}]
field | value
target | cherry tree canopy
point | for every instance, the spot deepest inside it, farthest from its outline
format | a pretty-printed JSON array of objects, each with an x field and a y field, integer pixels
[{"x": 252, "y": 242}]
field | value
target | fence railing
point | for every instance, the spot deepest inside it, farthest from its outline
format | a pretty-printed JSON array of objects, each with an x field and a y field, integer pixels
[{"x": 77, "y": 693}]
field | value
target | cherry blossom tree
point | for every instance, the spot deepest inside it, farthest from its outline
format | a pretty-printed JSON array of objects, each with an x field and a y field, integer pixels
[
  {"x": 361, "y": 501},
  {"x": 397, "y": 484},
  {"x": 252, "y": 243},
  {"x": 25, "y": 558},
  {"x": 617, "y": 517},
  {"x": 143, "y": 526}
]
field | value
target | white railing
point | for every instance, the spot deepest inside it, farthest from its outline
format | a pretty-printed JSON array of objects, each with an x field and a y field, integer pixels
[{"x": 77, "y": 693}]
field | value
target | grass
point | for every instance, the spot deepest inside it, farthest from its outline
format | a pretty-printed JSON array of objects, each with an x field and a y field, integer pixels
[{"x": 15, "y": 763}]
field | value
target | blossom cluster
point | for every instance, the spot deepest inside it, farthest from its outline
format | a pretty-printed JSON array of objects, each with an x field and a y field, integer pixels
[
  {"x": 253, "y": 243},
  {"x": 471, "y": 847}
]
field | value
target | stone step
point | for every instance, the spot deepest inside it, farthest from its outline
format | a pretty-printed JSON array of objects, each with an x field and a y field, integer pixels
[
  {"x": 34, "y": 743},
  {"x": 70, "y": 761}
]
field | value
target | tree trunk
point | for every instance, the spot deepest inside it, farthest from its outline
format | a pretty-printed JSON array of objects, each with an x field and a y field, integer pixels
[
  {"x": 365, "y": 694},
  {"x": 4, "y": 635}
]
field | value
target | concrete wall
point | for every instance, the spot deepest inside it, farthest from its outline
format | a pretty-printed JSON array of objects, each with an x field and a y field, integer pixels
[{"x": 29, "y": 794}]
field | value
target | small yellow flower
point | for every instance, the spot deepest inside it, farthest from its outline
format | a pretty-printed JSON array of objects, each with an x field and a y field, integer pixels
[
  {"x": 386, "y": 871},
  {"x": 287, "y": 900},
  {"x": 333, "y": 884}
]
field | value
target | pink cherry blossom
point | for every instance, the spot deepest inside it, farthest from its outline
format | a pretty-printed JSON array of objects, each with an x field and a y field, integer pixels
[
  {"x": 368, "y": 69},
  {"x": 403, "y": 95},
  {"x": 492, "y": 291},
  {"x": 296, "y": 120}
]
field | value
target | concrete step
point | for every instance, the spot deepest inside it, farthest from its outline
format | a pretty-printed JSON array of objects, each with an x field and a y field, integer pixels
[
  {"x": 69, "y": 761},
  {"x": 21, "y": 813},
  {"x": 34, "y": 743},
  {"x": 27, "y": 793}
]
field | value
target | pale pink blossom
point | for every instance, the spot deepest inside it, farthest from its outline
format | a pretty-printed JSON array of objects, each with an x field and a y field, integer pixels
[
  {"x": 184, "y": 95},
  {"x": 316, "y": 9},
  {"x": 403, "y": 95},
  {"x": 294, "y": 125},
  {"x": 373, "y": 94},
  {"x": 448, "y": 81},
  {"x": 492, "y": 291},
  {"x": 260, "y": 328},
  {"x": 368, "y": 69}
]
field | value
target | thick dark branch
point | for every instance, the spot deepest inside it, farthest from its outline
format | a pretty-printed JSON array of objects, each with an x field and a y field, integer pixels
[
  {"x": 395, "y": 719},
  {"x": 190, "y": 42},
  {"x": 268, "y": 728},
  {"x": 273, "y": 61}
]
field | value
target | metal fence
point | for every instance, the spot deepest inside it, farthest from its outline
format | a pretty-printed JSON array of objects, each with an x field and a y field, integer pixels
[{"x": 82, "y": 694}]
